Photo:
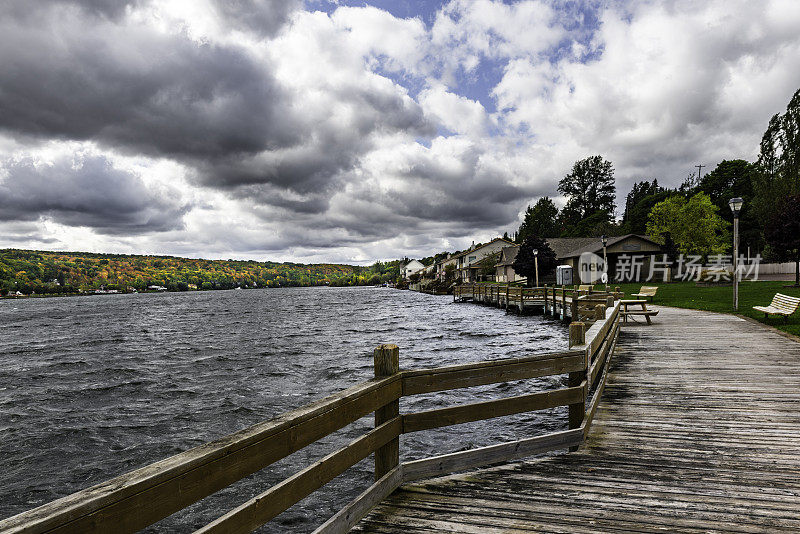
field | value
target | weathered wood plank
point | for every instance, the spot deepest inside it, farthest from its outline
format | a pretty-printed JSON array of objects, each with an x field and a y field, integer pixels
[
  {"x": 455, "y": 415},
  {"x": 490, "y": 372},
  {"x": 462, "y": 460},
  {"x": 387, "y": 363},
  {"x": 258, "y": 510},
  {"x": 348, "y": 516}
]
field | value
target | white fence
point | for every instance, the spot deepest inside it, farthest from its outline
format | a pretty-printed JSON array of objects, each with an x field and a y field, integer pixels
[{"x": 776, "y": 268}]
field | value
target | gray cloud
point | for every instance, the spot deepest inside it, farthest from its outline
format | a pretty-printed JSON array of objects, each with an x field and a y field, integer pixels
[
  {"x": 137, "y": 90},
  {"x": 264, "y": 17},
  {"x": 215, "y": 108},
  {"x": 90, "y": 192}
]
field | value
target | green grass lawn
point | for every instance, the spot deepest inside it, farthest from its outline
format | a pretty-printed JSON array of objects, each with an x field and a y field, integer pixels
[{"x": 720, "y": 299}]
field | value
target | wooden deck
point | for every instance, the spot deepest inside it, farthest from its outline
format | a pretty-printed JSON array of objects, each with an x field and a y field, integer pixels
[{"x": 698, "y": 431}]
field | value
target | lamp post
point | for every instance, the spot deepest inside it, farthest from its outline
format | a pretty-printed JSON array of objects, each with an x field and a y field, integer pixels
[
  {"x": 604, "y": 238},
  {"x": 536, "y": 264},
  {"x": 736, "y": 207}
]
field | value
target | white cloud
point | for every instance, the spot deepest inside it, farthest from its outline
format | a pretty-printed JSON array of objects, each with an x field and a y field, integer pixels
[{"x": 335, "y": 153}]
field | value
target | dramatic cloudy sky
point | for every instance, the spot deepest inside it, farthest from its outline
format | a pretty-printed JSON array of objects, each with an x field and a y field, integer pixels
[{"x": 349, "y": 131}]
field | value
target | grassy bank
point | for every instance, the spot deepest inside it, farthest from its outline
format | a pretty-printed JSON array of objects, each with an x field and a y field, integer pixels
[{"x": 720, "y": 299}]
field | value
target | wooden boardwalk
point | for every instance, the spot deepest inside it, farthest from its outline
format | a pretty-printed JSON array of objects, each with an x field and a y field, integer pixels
[{"x": 698, "y": 431}]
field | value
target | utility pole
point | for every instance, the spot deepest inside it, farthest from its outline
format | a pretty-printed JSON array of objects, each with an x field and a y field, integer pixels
[{"x": 699, "y": 172}]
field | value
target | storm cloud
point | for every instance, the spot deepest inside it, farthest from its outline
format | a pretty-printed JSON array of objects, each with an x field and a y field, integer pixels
[
  {"x": 87, "y": 191},
  {"x": 215, "y": 107}
]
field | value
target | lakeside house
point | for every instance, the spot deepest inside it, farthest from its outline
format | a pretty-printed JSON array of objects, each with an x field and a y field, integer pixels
[
  {"x": 569, "y": 250},
  {"x": 412, "y": 267},
  {"x": 465, "y": 262},
  {"x": 499, "y": 254},
  {"x": 504, "y": 270}
]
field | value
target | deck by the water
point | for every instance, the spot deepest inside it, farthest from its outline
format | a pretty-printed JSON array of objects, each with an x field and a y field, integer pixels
[{"x": 698, "y": 430}]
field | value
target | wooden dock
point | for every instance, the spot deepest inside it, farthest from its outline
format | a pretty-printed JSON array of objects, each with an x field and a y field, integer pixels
[
  {"x": 698, "y": 430},
  {"x": 562, "y": 302}
]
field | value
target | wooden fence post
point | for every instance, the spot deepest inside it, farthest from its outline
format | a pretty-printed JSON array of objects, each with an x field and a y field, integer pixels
[
  {"x": 387, "y": 363},
  {"x": 577, "y": 334},
  {"x": 574, "y": 306},
  {"x": 600, "y": 312},
  {"x": 546, "y": 305},
  {"x": 609, "y": 302},
  {"x": 577, "y": 337},
  {"x": 563, "y": 303}
]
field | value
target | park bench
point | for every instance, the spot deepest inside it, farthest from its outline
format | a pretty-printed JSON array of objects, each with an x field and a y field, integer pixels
[
  {"x": 780, "y": 305},
  {"x": 647, "y": 291},
  {"x": 586, "y": 288}
]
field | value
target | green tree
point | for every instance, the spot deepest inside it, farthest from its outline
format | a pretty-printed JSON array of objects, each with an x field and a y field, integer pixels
[
  {"x": 540, "y": 219},
  {"x": 783, "y": 232},
  {"x": 693, "y": 224},
  {"x": 525, "y": 262},
  {"x": 590, "y": 189},
  {"x": 736, "y": 178},
  {"x": 449, "y": 273},
  {"x": 640, "y": 200},
  {"x": 487, "y": 264},
  {"x": 779, "y": 161}
]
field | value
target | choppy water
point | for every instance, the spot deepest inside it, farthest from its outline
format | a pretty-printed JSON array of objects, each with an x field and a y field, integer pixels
[{"x": 93, "y": 387}]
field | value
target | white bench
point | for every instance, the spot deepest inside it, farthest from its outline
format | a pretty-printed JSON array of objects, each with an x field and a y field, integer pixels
[
  {"x": 647, "y": 291},
  {"x": 780, "y": 305}
]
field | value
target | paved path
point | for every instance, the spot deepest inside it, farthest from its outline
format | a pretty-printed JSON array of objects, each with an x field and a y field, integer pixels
[{"x": 698, "y": 431}]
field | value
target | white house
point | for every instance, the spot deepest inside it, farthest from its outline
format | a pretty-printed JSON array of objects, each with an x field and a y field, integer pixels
[
  {"x": 476, "y": 254},
  {"x": 410, "y": 268}
]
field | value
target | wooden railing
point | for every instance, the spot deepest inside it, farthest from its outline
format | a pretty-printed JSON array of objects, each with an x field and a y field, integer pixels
[
  {"x": 142, "y": 497},
  {"x": 573, "y": 303}
]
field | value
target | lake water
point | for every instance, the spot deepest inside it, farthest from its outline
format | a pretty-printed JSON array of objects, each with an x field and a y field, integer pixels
[{"x": 93, "y": 387}]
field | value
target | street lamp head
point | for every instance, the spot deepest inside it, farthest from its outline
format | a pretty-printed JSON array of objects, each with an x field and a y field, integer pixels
[
  {"x": 604, "y": 238},
  {"x": 536, "y": 252},
  {"x": 736, "y": 205}
]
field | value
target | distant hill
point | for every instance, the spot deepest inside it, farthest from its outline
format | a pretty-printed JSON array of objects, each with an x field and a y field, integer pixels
[{"x": 41, "y": 272}]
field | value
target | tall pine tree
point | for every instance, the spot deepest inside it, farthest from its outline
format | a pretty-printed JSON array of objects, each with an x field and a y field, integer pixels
[
  {"x": 590, "y": 190},
  {"x": 540, "y": 219}
]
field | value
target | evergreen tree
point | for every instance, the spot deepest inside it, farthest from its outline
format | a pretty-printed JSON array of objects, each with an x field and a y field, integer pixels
[
  {"x": 779, "y": 161},
  {"x": 525, "y": 262},
  {"x": 736, "y": 178},
  {"x": 540, "y": 219},
  {"x": 590, "y": 189},
  {"x": 640, "y": 200},
  {"x": 783, "y": 232}
]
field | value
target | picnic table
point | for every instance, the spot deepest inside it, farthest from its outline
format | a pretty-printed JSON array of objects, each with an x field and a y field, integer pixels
[{"x": 642, "y": 304}]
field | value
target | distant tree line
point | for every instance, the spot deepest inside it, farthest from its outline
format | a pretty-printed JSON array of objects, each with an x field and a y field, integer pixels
[{"x": 41, "y": 272}]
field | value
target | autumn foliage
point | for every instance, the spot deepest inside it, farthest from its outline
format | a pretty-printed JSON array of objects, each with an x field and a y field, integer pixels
[{"x": 41, "y": 272}]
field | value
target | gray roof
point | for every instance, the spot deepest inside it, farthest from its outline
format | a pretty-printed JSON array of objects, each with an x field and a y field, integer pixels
[
  {"x": 562, "y": 246},
  {"x": 464, "y": 253},
  {"x": 593, "y": 244},
  {"x": 510, "y": 254}
]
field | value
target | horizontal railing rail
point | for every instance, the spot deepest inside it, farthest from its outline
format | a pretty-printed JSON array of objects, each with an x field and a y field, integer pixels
[{"x": 142, "y": 497}]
